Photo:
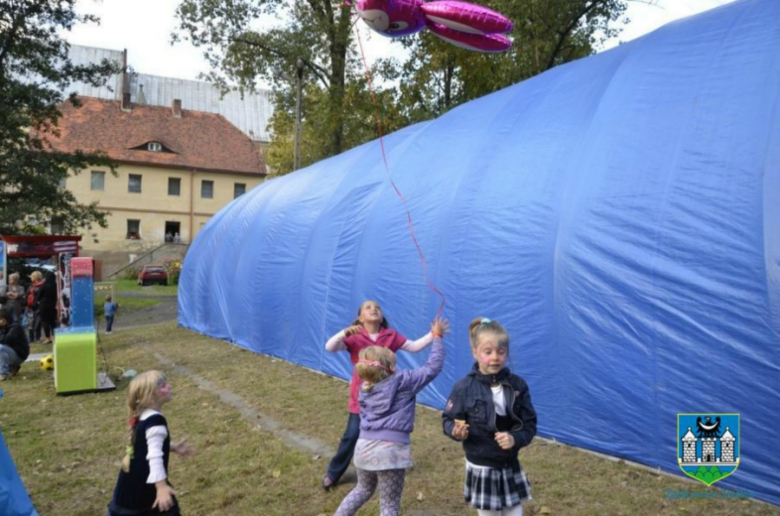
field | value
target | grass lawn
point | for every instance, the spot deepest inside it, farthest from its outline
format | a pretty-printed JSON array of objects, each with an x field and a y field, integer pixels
[
  {"x": 126, "y": 304},
  {"x": 131, "y": 285},
  {"x": 68, "y": 449},
  {"x": 131, "y": 303}
]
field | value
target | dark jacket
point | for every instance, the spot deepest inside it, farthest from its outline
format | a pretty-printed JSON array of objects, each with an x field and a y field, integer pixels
[
  {"x": 472, "y": 400},
  {"x": 387, "y": 410},
  {"x": 47, "y": 298},
  {"x": 12, "y": 335},
  {"x": 132, "y": 495}
]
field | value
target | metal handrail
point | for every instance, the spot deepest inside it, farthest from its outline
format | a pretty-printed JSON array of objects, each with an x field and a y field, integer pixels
[{"x": 144, "y": 256}]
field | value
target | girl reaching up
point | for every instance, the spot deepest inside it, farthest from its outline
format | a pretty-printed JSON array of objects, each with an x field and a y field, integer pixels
[
  {"x": 369, "y": 329},
  {"x": 387, "y": 404}
]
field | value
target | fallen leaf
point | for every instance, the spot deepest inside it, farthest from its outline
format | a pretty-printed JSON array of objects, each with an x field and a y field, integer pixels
[
  {"x": 276, "y": 473},
  {"x": 316, "y": 457},
  {"x": 545, "y": 510},
  {"x": 420, "y": 496}
]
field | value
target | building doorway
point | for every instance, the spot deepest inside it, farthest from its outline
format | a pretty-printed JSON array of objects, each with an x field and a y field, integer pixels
[{"x": 172, "y": 231}]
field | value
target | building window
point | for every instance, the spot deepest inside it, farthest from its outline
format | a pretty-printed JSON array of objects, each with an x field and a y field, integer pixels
[
  {"x": 57, "y": 227},
  {"x": 239, "y": 189},
  {"x": 133, "y": 229},
  {"x": 154, "y": 146},
  {"x": 174, "y": 186},
  {"x": 207, "y": 189},
  {"x": 98, "y": 181},
  {"x": 134, "y": 183}
]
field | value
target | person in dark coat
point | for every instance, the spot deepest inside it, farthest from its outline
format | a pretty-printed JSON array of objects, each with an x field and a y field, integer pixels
[
  {"x": 14, "y": 348},
  {"x": 47, "y": 306}
]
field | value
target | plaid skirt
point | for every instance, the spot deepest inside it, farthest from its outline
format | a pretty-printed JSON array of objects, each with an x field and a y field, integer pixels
[{"x": 495, "y": 489}]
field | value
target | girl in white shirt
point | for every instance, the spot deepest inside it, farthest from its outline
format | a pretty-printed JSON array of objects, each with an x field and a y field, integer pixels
[{"x": 143, "y": 487}]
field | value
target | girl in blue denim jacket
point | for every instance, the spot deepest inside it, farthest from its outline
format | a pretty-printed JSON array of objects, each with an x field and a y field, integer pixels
[
  {"x": 387, "y": 403},
  {"x": 490, "y": 411}
]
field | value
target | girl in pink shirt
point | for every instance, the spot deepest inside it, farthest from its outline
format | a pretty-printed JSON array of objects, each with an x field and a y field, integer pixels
[{"x": 369, "y": 329}]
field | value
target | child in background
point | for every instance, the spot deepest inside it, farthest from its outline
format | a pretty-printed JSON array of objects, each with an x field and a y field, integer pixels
[
  {"x": 387, "y": 404},
  {"x": 109, "y": 310},
  {"x": 369, "y": 329},
  {"x": 490, "y": 411},
  {"x": 143, "y": 487}
]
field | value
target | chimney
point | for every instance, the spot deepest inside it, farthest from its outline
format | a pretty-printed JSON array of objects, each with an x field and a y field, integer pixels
[
  {"x": 176, "y": 107},
  {"x": 126, "y": 106},
  {"x": 140, "y": 99}
]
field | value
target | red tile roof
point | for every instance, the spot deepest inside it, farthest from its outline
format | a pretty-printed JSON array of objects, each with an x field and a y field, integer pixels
[{"x": 203, "y": 141}]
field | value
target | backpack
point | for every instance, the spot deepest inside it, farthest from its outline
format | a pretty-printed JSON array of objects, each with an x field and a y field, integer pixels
[{"x": 31, "y": 297}]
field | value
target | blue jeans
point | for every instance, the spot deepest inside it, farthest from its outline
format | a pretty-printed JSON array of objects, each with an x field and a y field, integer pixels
[
  {"x": 109, "y": 322},
  {"x": 340, "y": 462},
  {"x": 10, "y": 360}
]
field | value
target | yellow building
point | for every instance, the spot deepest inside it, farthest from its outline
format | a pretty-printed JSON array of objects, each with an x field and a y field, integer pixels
[{"x": 176, "y": 168}]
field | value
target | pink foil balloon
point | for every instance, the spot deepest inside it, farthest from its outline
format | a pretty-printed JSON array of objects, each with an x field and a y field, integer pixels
[{"x": 463, "y": 24}]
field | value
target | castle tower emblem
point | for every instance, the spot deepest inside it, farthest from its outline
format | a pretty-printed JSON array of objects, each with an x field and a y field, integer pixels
[{"x": 708, "y": 445}]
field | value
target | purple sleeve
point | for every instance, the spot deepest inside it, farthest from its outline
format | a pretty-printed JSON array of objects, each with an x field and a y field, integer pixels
[{"x": 416, "y": 379}]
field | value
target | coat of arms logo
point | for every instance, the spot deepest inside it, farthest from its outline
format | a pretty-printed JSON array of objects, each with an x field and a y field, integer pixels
[{"x": 708, "y": 445}]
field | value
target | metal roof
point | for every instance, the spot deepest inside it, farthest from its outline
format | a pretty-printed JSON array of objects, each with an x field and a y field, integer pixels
[
  {"x": 249, "y": 113},
  {"x": 80, "y": 55}
]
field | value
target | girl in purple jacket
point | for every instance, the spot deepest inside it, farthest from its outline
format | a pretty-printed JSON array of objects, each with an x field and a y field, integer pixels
[
  {"x": 387, "y": 403},
  {"x": 369, "y": 329}
]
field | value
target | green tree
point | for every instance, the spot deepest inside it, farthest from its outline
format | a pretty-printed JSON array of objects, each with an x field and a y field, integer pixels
[
  {"x": 314, "y": 31},
  {"x": 439, "y": 76},
  {"x": 339, "y": 112},
  {"x": 34, "y": 71}
]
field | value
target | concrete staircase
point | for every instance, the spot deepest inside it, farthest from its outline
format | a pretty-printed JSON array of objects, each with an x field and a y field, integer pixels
[{"x": 166, "y": 251}]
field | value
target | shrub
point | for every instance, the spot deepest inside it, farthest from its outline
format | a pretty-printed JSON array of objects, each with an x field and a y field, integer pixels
[
  {"x": 131, "y": 273},
  {"x": 173, "y": 268}
]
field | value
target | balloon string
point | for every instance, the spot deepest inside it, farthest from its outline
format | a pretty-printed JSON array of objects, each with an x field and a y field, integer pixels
[{"x": 409, "y": 222}]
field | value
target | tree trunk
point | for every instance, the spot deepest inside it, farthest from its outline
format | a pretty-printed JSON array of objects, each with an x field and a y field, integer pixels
[{"x": 336, "y": 91}]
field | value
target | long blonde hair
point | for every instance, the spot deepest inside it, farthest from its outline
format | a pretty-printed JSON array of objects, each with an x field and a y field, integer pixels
[
  {"x": 374, "y": 365},
  {"x": 141, "y": 395}
]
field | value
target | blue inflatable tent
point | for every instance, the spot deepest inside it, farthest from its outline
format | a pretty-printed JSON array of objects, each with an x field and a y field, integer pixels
[
  {"x": 619, "y": 214},
  {"x": 13, "y": 496}
]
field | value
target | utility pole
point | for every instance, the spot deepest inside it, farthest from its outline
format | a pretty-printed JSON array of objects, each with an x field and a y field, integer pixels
[{"x": 297, "y": 152}]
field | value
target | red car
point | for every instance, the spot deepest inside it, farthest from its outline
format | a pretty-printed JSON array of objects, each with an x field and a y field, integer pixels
[{"x": 152, "y": 274}]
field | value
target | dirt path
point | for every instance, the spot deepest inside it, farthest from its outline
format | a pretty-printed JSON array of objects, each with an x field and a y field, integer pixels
[
  {"x": 294, "y": 440},
  {"x": 166, "y": 311}
]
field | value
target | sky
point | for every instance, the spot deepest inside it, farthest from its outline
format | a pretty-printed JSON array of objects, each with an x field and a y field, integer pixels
[{"x": 144, "y": 28}]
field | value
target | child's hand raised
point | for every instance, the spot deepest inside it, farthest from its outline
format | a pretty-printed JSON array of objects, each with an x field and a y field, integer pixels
[
  {"x": 352, "y": 330},
  {"x": 439, "y": 327}
]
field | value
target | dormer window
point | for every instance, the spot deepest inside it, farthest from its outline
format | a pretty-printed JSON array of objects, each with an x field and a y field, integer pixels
[{"x": 153, "y": 146}]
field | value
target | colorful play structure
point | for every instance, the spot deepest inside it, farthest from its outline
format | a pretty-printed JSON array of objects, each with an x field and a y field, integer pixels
[
  {"x": 620, "y": 214},
  {"x": 75, "y": 347}
]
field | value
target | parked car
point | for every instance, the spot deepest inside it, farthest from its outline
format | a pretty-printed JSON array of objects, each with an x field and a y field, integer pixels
[{"x": 152, "y": 274}]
